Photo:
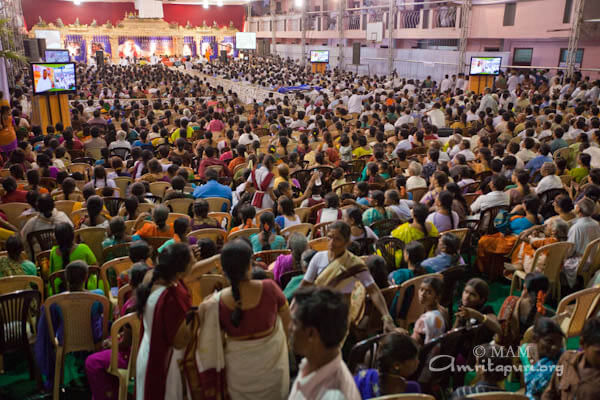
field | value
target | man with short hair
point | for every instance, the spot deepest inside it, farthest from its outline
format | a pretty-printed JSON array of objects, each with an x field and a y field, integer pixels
[
  {"x": 584, "y": 230},
  {"x": 497, "y": 196},
  {"x": 212, "y": 188},
  {"x": 319, "y": 326}
]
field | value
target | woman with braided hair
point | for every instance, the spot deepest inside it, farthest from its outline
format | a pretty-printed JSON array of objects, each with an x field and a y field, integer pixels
[{"x": 267, "y": 238}]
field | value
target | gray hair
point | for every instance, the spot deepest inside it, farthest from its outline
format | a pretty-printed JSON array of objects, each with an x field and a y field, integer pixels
[
  {"x": 297, "y": 243},
  {"x": 561, "y": 229},
  {"x": 415, "y": 168},
  {"x": 586, "y": 206}
]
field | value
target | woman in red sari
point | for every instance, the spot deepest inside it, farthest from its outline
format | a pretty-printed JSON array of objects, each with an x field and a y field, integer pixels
[{"x": 163, "y": 304}]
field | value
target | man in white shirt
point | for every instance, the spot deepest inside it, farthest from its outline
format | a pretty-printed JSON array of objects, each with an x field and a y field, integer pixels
[
  {"x": 355, "y": 102},
  {"x": 406, "y": 118},
  {"x": 446, "y": 84},
  {"x": 583, "y": 231},
  {"x": 438, "y": 118},
  {"x": 322, "y": 373},
  {"x": 549, "y": 180},
  {"x": 44, "y": 83},
  {"x": 512, "y": 82},
  {"x": 465, "y": 150},
  {"x": 497, "y": 197}
]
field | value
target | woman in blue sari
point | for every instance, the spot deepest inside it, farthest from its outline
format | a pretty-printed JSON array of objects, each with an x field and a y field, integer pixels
[{"x": 397, "y": 359}]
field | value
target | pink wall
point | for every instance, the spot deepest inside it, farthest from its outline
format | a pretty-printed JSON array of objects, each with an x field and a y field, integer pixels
[{"x": 87, "y": 11}]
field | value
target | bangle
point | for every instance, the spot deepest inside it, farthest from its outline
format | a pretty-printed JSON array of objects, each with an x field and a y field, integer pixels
[
  {"x": 387, "y": 318},
  {"x": 485, "y": 318}
]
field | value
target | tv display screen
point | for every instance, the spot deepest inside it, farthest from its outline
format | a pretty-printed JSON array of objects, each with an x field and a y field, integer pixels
[
  {"x": 245, "y": 40},
  {"x": 53, "y": 78},
  {"x": 57, "y": 56},
  {"x": 319, "y": 56},
  {"x": 485, "y": 65}
]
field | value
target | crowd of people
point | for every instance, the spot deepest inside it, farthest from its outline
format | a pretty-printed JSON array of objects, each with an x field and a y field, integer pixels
[{"x": 332, "y": 178}]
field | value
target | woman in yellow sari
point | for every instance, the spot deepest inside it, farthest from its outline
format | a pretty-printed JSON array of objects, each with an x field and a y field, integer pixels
[{"x": 415, "y": 230}]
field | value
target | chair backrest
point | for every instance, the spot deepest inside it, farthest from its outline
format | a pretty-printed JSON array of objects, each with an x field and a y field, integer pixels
[
  {"x": 173, "y": 216},
  {"x": 146, "y": 207},
  {"x": 497, "y": 396},
  {"x": 361, "y": 349},
  {"x": 415, "y": 310},
  {"x": 460, "y": 233},
  {"x": 320, "y": 229},
  {"x": 556, "y": 255},
  {"x": 77, "y": 328},
  {"x": 269, "y": 256},
  {"x": 302, "y": 228},
  {"x": 16, "y": 308},
  {"x": 119, "y": 266},
  {"x": 303, "y": 213},
  {"x": 219, "y": 236},
  {"x": 215, "y": 204},
  {"x": 417, "y": 194},
  {"x": 347, "y": 187},
  {"x": 129, "y": 225},
  {"x": 133, "y": 320},
  {"x": 590, "y": 261},
  {"x": 585, "y": 302},
  {"x": 13, "y": 211},
  {"x": 312, "y": 215},
  {"x": 57, "y": 281},
  {"x": 65, "y": 206},
  {"x": 118, "y": 250},
  {"x": 429, "y": 243},
  {"x": 181, "y": 206},
  {"x": 242, "y": 233},
  {"x": 21, "y": 282},
  {"x": 285, "y": 278},
  {"x": 319, "y": 244},
  {"x": 385, "y": 227},
  {"x": 113, "y": 204},
  {"x": 123, "y": 183},
  {"x": 201, "y": 286},
  {"x": 123, "y": 294},
  {"x": 486, "y": 220},
  {"x": 223, "y": 218},
  {"x": 93, "y": 237},
  {"x": 388, "y": 246},
  {"x": 122, "y": 152},
  {"x": 158, "y": 188},
  {"x": 155, "y": 242},
  {"x": 44, "y": 238},
  {"x": 259, "y": 213}
]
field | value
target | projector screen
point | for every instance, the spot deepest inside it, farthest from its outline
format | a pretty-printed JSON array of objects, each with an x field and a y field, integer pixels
[
  {"x": 245, "y": 40},
  {"x": 53, "y": 78},
  {"x": 319, "y": 56},
  {"x": 52, "y": 38},
  {"x": 55, "y": 55},
  {"x": 485, "y": 65}
]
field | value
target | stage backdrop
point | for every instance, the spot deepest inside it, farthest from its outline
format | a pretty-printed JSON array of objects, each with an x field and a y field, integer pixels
[
  {"x": 132, "y": 46},
  {"x": 101, "y": 43},
  {"x": 50, "y": 10},
  {"x": 76, "y": 46}
]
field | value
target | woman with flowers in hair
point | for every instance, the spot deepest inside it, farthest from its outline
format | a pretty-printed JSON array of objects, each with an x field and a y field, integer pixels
[{"x": 267, "y": 238}]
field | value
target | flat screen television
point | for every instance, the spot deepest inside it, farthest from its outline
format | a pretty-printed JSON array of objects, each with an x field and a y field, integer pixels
[
  {"x": 245, "y": 40},
  {"x": 485, "y": 65},
  {"x": 51, "y": 78},
  {"x": 57, "y": 56},
  {"x": 319, "y": 56}
]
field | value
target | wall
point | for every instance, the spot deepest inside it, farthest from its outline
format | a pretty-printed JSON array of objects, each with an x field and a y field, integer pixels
[{"x": 87, "y": 11}]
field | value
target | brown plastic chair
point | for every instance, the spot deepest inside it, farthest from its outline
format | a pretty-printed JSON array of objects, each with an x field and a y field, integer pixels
[
  {"x": 173, "y": 216},
  {"x": 590, "y": 261},
  {"x": 497, "y": 396},
  {"x": 242, "y": 233},
  {"x": 129, "y": 225},
  {"x": 146, "y": 207},
  {"x": 417, "y": 194},
  {"x": 415, "y": 310},
  {"x": 123, "y": 183},
  {"x": 303, "y": 213},
  {"x": 181, "y": 206},
  {"x": 259, "y": 213},
  {"x": 116, "y": 251},
  {"x": 16, "y": 283},
  {"x": 312, "y": 215},
  {"x": 76, "y": 308},
  {"x": 119, "y": 266},
  {"x": 385, "y": 227},
  {"x": 158, "y": 189},
  {"x": 303, "y": 229},
  {"x": 556, "y": 253},
  {"x": 215, "y": 204},
  {"x": 155, "y": 242},
  {"x": 575, "y": 315},
  {"x": 219, "y": 236},
  {"x": 269, "y": 256},
  {"x": 113, "y": 204},
  {"x": 220, "y": 217},
  {"x": 460, "y": 233},
  {"x": 44, "y": 238},
  {"x": 124, "y": 375},
  {"x": 347, "y": 187},
  {"x": 93, "y": 237},
  {"x": 320, "y": 244},
  {"x": 13, "y": 211},
  {"x": 388, "y": 246},
  {"x": 124, "y": 293},
  {"x": 16, "y": 311},
  {"x": 65, "y": 206},
  {"x": 202, "y": 285},
  {"x": 82, "y": 168},
  {"x": 320, "y": 229}
]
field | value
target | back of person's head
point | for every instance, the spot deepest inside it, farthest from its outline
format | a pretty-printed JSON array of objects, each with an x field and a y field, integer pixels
[
  {"x": 235, "y": 260},
  {"x": 545, "y": 326},
  {"x": 137, "y": 273},
  {"x": 181, "y": 226},
  {"x": 178, "y": 183},
  {"x": 499, "y": 182},
  {"x": 9, "y": 184},
  {"x": 139, "y": 251},
  {"x": 14, "y": 247},
  {"x": 94, "y": 207},
  {"x": 378, "y": 268},
  {"x": 76, "y": 274},
  {"x": 201, "y": 208},
  {"x": 117, "y": 227},
  {"x": 45, "y": 205},
  {"x": 321, "y": 314},
  {"x": 415, "y": 253},
  {"x": 332, "y": 200},
  {"x": 160, "y": 215},
  {"x": 398, "y": 355}
]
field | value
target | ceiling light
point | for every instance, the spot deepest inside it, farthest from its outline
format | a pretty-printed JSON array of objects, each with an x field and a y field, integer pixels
[{"x": 205, "y": 3}]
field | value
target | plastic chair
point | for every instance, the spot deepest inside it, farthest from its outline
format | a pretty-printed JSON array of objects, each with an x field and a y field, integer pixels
[
  {"x": 93, "y": 237},
  {"x": 13, "y": 211},
  {"x": 242, "y": 233},
  {"x": 124, "y": 375},
  {"x": 347, "y": 187},
  {"x": 60, "y": 275},
  {"x": 116, "y": 251},
  {"x": 303, "y": 228},
  {"x": 158, "y": 189},
  {"x": 415, "y": 310},
  {"x": 452, "y": 276},
  {"x": 123, "y": 183},
  {"x": 585, "y": 303},
  {"x": 42, "y": 261},
  {"x": 269, "y": 256},
  {"x": 16, "y": 283},
  {"x": 155, "y": 242},
  {"x": 460, "y": 233},
  {"x": 320, "y": 244},
  {"x": 65, "y": 206},
  {"x": 77, "y": 327},
  {"x": 320, "y": 229},
  {"x": 44, "y": 238},
  {"x": 119, "y": 266},
  {"x": 123, "y": 294},
  {"x": 16, "y": 311},
  {"x": 590, "y": 262},
  {"x": 286, "y": 277},
  {"x": 173, "y": 216},
  {"x": 259, "y": 213},
  {"x": 203, "y": 285},
  {"x": 498, "y": 396},
  {"x": 556, "y": 253},
  {"x": 360, "y": 350},
  {"x": 302, "y": 212},
  {"x": 417, "y": 194},
  {"x": 215, "y": 204},
  {"x": 385, "y": 227},
  {"x": 430, "y": 244},
  {"x": 220, "y": 217},
  {"x": 219, "y": 236},
  {"x": 83, "y": 168},
  {"x": 312, "y": 215},
  {"x": 181, "y": 206},
  {"x": 388, "y": 246},
  {"x": 113, "y": 204},
  {"x": 146, "y": 207}
]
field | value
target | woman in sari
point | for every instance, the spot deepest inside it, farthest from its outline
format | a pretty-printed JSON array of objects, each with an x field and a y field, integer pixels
[
  {"x": 263, "y": 180},
  {"x": 255, "y": 317},
  {"x": 419, "y": 228},
  {"x": 8, "y": 137},
  {"x": 523, "y": 216},
  {"x": 166, "y": 301},
  {"x": 339, "y": 269},
  {"x": 377, "y": 212}
]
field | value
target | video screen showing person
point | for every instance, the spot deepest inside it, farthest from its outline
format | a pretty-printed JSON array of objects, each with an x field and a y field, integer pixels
[
  {"x": 53, "y": 78},
  {"x": 319, "y": 56},
  {"x": 485, "y": 65},
  {"x": 57, "y": 56}
]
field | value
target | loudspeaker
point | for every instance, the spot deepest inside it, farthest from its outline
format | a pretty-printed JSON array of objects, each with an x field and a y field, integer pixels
[
  {"x": 355, "y": 53},
  {"x": 99, "y": 58},
  {"x": 41, "y": 43},
  {"x": 31, "y": 49}
]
